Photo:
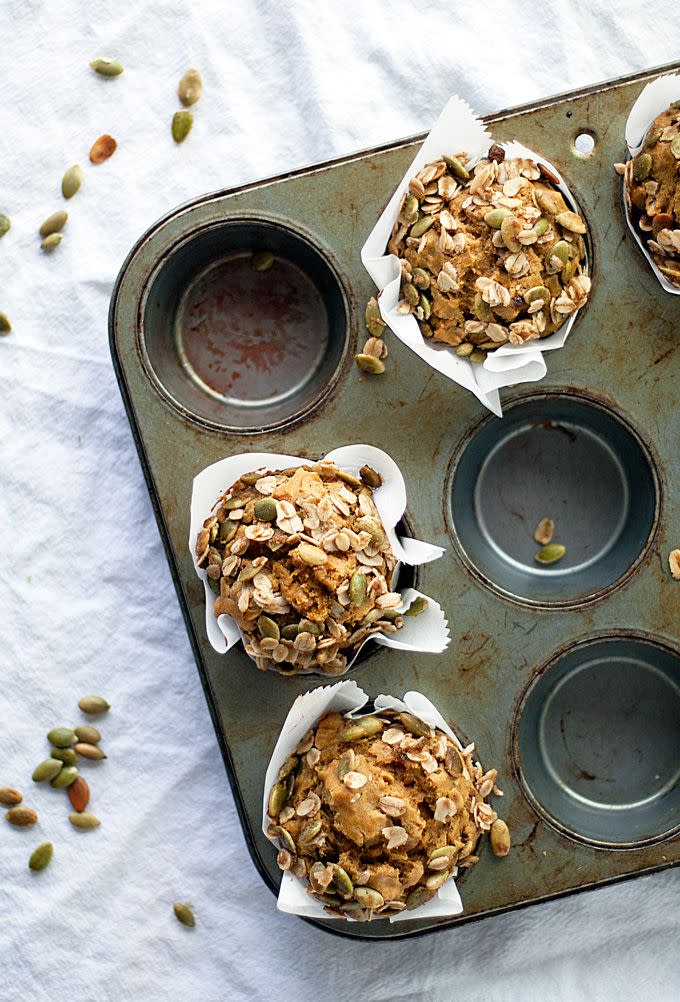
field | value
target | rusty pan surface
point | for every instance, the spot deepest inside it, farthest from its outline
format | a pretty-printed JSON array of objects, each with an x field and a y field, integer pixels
[{"x": 568, "y": 679}]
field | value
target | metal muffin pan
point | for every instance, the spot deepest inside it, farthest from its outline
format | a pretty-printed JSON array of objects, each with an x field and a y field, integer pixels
[{"x": 567, "y": 677}]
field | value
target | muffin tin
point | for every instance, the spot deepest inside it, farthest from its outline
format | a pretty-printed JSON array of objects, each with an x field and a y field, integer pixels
[{"x": 567, "y": 676}]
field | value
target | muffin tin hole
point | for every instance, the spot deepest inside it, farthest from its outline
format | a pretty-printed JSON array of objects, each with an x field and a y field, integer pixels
[
  {"x": 568, "y": 458},
  {"x": 584, "y": 144},
  {"x": 240, "y": 348},
  {"x": 597, "y": 742}
]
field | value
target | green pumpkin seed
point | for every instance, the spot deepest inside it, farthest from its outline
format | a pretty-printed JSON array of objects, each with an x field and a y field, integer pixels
[
  {"x": 551, "y": 553},
  {"x": 342, "y": 881},
  {"x": 569, "y": 270},
  {"x": 456, "y": 168},
  {"x": 89, "y": 751},
  {"x": 21, "y": 817},
  {"x": 444, "y": 850},
  {"x": 41, "y": 857},
  {"x": 285, "y": 838},
  {"x": 541, "y": 225},
  {"x": 48, "y": 769},
  {"x": 277, "y": 800},
  {"x": 421, "y": 226},
  {"x": 572, "y": 221},
  {"x": 417, "y": 606},
  {"x": 421, "y": 278},
  {"x": 107, "y": 67},
  {"x": 365, "y": 727},
  {"x": 265, "y": 510},
  {"x": 434, "y": 882},
  {"x": 560, "y": 250},
  {"x": 420, "y": 896},
  {"x": 357, "y": 588},
  {"x": 65, "y": 755},
  {"x": 373, "y": 528},
  {"x": 5, "y": 224},
  {"x": 181, "y": 125},
  {"x": 642, "y": 165},
  {"x": 426, "y": 307},
  {"x": 307, "y": 626},
  {"x": 84, "y": 820},
  {"x": 477, "y": 356},
  {"x": 350, "y": 479},
  {"x": 93, "y": 704},
  {"x": 495, "y": 217},
  {"x": 268, "y": 628},
  {"x": 90, "y": 735},
  {"x": 375, "y": 325},
  {"x": 235, "y": 502},
  {"x": 54, "y": 223},
  {"x": 370, "y": 364},
  {"x": 71, "y": 181},
  {"x": 414, "y": 725},
  {"x": 369, "y": 898},
  {"x": 228, "y": 530},
  {"x": 290, "y": 632},
  {"x": 184, "y": 914},
  {"x": 190, "y": 87},
  {"x": 262, "y": 261},
  {"x": 346, "y": 763},
  {"x": 5, "y": 325},
  {"x": 62, "y": 737},
  {"x": 409, "y": 211},
  {"x": 675, "y": 147},
  {"x": 288, "y": 767},
  {"x": 537, "y": 292},
  {"x": 652, "y": 137},
  {"x": 482, "y": 309},
  {"x": 410, "y": 294},
  {"x": 68, "y": 775},
  {"x": 465, "y": 349},
  {"x": 310, "y": 830},
  {"x": 51, "y": 242},
  {"x": 354, "y": 910}
]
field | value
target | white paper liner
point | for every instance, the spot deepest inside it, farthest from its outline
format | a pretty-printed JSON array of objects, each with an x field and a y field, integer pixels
[
  {"x": 346, "y": 697},
  {"x": 652, "y": 101},
  {"x": 428, "y": 632},
  {"x": 458, "y": 129}
]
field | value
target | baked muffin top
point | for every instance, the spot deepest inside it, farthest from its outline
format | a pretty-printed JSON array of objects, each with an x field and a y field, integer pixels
[
  {"x": 653, "y": 191},
  {"x": 301, "y": 561},
  {"x": 376, "y": 813},
  {"x": 491, "y": 255}
]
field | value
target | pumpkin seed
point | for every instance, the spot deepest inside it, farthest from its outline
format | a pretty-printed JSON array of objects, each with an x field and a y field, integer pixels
[
  {"x": 189, "y": 88},
  {"x": 551, "y": 553},
  {"x": 184, "y": 914},
  {"x": 71, "y": 181},
  {"x": 268, "y": 628},
  {"x": 448, "y": 851},
  {"x": 465, "y": 349},
  {"x": 536, "y": 292},
  {"x": 642, "y": 165},
  {"x": 426, "y": 307},
  {"x": 265, "y": 510},
  {"x": 410, "y": 294},
  {"x": 102, "y": 149},
  {"x": 277, "y": 800},
  {"x": 511, "y": 227},
  {"x": 48, "y": 769},
  {"x": 262, "y": 261},
  {"x": 560, "y": 250},
  {"x": 90, "y": 735},
  {"x": 107, "y": 67},
  {"x": 409, "y": 211},
  {"x": 365, "y": 727},
  {"x": 41, "y": 857},
  {"x": 652, "y": 137},
  {"x": 5, "y": 325},
  {"x": 369, "y": 898},
  {"x": 290, "y": 632},
  {"x": 421, "y": 226},
  {"x": 10, "y": 796},
  {"x": 541, "y": 226},
  {"x": 288, "y": 767},
  {"x": 477, "y": 356},
  {"x": 65, "y": 755},
  {"x": 456, "y": 168},
  {"x": 494, "y": 217},
  {"x": 67, "y": 776},
  {"x": 311, "y": 555},
  {"x": 499, "y": 836},
  {"x": 370, "y": 477},
  {"x": 49, "y": 243},
  {"x": 482, "y": 309},
  {"x": 342, "y": 881},
  {"x": 310, "y": 830},
  {"x": 569, "y": 270},
  {"x": 354, "y": 910},
  {"x": 89, "y": 751},
  {"x": 417, "y": 606},
  {"x": 346, "y": 763},
  {"x": 414, "y": 724},
  {"x": 307, "y": 626},
  {"x": 544, "y": 531},
  {"x": 370, "y": 364},
  {"x": 21, "y": 817},
  {"x": 421, "y": 278},
  {"x": 79, "y": 794},
  {"x": 375, "y": 325},
  {"x": 84, "y": 820},
  {"x": 5, "y": 224},
  {"x": 285, "y": 838},
  {"x": 434, "y": 882},
  {"x": 675, "y": 147},
  {"x": 62, "y": 737},
  {"x": 93, "y": 704},
  {"x": 181, "y": 125},
  {"x": 572, "y": 221},
  {"x": 420, "y": 896},
  {"x": 373, "y": 528},
  {"x": 228, "y": 530},
  {"x": 357, "y": 588}
]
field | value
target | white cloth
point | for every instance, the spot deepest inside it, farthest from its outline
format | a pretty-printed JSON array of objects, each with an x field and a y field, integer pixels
[{"x": 86, "y": 597}]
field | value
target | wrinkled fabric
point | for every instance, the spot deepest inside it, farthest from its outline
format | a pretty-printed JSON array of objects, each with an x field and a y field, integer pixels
[{"x": 86, "y": 596}]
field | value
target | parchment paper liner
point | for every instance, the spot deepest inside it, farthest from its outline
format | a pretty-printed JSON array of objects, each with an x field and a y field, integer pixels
[
  {"x": 652, "y": 101},
  {"x": 427, "y": 632},
  {"x": 346, "y": 697},
  {"x": 458, "y": 129}
]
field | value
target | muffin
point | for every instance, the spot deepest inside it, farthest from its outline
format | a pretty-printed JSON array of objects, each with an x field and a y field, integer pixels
[
  {"x": 652, "y": 187},
  {"x": 489, "y": 256},
  {"x": 376, "y": 813},
  {"x": 300, "y": 560}
]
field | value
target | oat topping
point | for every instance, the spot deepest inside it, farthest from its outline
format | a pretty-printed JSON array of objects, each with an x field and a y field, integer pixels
[
  {"x": 489, "y": 256},
  {"x": 300, "y": 560},
  {"x": 383, "y": 816},
  {"x": 653, "y": 191}
]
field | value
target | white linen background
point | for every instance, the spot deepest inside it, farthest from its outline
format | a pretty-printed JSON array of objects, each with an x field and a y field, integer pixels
[{"x": 86, "y": 596}]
